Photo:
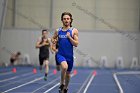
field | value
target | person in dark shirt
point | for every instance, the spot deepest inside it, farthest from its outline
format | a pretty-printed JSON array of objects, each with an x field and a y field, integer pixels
[{"x": 44, "y": 43}]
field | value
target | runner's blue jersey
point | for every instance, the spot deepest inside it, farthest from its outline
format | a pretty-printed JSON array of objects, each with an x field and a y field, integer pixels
[{"x": 65, "y": 46}]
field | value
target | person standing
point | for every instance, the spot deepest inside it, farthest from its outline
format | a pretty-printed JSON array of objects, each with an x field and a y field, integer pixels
[{"x": 15, "y": 57}]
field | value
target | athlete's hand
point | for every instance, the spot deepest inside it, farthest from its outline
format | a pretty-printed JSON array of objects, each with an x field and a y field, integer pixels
[
  {"x": 68, "y": 34},
  {"x": 44, "y": 43}
]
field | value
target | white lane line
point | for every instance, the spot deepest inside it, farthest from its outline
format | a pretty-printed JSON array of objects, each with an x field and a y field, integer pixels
[
  {"x": 118, "y": 83},
  {"x": 52, "y": 88},
  {"x": 22, "y": 85},
  {"x": 46, "y": 85},
  {"x": 15, "y": 77},
  {"x": 89, "y": 84},
  {"x": 8, "y": 79},
  {"x": 5, "y": 73},
  {"x": 84, "y": 83},
  {"x": 21, "y": 79},
  {"x": 123, "y": 73},
  {"x": 55, "y": 86},
  {"x": 27, "y": 74},
  {"x": 128, "y": 72}
]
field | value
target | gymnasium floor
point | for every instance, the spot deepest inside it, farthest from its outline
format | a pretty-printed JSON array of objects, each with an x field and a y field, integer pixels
[{"x": 84, "y": 80}]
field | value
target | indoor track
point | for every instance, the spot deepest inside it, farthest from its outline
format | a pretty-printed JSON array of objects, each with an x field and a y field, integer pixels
[{"x": 84, "y": 80}]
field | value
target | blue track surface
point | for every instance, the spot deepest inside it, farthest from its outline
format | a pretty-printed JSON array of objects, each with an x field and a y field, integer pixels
[{"x": 25, "y": 81}]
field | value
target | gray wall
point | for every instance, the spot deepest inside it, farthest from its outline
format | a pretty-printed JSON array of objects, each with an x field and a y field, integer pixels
[
  {"x": 87, "y": 14},
  {"x": 93, "y": 44},
  {"x": 2, "y": 13},
  {"x": 106, "y": 28},
  {"x": 1, "y": 10}
]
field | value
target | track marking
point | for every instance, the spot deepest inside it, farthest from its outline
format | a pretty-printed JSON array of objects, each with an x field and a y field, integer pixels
[
  {"x": 89, "y": 83},
  {"x": 5, "y": 73},
  {"x": 123, "y": 73},
  {"x": 15, "y": 77},
  {"x": 17, "y": 81},
  {"x": 52, "y": 88},
  {"x": 84, "y": 83},
  {"x": 8, "y": 79},
  {"x": 55, "y": 86},
  {"x": 46, "y": 85},
  {"x": 25, "y": 84}
]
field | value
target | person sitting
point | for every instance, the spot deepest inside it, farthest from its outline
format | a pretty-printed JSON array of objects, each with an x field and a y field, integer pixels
[{"x": 14, "y": 57}]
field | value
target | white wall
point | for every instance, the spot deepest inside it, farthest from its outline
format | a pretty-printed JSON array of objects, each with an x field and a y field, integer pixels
[
  {"x": 3, "y": 4},
  {"x": 95, "y": 44},
  {"x": 110, "y": 44},
  {"x": 122, "y": 14},
  {"x": 119, "y": 15},
  {"x": 1, "y": 10},
  {"x": 29, "y": 14}
]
